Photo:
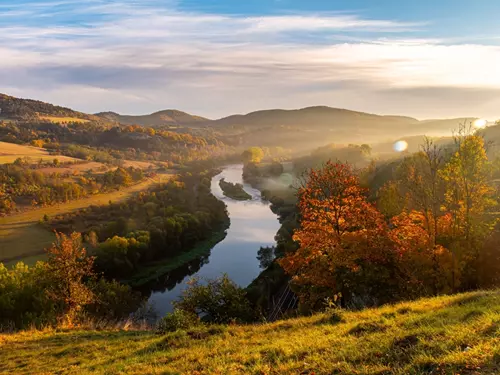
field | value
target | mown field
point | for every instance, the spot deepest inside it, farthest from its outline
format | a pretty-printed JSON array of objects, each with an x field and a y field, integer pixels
[
  {"x": 445, "y": 335},
  {"x": 22, "y": 236},
  {"x": 9, "y": 152},
  {"x": 60, "y": 120}
]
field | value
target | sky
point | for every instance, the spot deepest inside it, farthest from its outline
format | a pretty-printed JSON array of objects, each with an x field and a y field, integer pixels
[{"x": 425, "y": 59}]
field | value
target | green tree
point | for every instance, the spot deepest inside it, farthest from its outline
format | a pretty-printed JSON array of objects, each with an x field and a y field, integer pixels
[
  {"x": 219, "y": 300},
  {"x": 468, "y": 196}
]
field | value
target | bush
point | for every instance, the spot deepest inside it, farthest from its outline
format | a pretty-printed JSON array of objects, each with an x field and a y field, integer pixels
[
  {"x": 113, "y": 301},
  {"x": 179, "y": 319},
  {"x": 218, "y": 301}
]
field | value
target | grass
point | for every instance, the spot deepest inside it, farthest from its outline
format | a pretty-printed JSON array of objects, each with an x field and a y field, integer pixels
[
  {"x": 154, "y": 270},
  {"x": 447, "y": 335},
  {"x": 96, "y": 167},
  {"x": 21, "y": 235},
  {"x": 9, "y": 152}
]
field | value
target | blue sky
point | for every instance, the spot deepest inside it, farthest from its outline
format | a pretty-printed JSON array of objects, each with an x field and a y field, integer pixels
[{"x": 214, "y": 58}]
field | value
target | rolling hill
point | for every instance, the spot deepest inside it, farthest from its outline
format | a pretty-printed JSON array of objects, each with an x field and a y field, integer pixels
[
  {"x": 169, "y": 117},
  {"x": 443, "y": 335},
  {"x": 12, "y": 108},
  {"x": 299, "y": 129},
  {"x": 314, "y": 126}
]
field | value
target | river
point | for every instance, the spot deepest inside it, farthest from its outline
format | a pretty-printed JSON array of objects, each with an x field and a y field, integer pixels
[{"x": 253, "y": 225}]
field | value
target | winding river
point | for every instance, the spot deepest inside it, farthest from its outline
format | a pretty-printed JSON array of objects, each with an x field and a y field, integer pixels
[{"x": 253, "y": 225}]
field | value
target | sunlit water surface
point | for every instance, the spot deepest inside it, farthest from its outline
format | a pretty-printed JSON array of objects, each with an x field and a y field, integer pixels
[{"x": 253, "y": 225}]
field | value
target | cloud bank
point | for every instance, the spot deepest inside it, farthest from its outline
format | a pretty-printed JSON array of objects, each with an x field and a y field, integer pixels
[{"x": 137, "y": 57}]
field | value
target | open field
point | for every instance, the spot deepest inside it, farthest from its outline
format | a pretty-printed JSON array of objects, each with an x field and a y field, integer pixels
[
  {"x": 60, "y": 120},
  {"x": 137, "y": 164},
  {"x": 22, "y": 236},
  {"x": 79, "y": 167},
  {"x": 456, "y": 334},
  {"x": 9, "y": 152}
]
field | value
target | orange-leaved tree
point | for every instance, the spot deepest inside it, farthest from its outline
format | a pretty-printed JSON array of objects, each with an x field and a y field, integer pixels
[
  {"x": 69, "y": 266},
  {"x": 427, "y": 266},
  {"x": 344, "y": 244}
]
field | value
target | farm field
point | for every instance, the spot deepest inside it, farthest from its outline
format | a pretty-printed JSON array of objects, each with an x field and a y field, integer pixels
[
  {"x": 9, "y": 152},
  {"x": 21, "y": 235},
  {"x": 138, "y": 164},
  {"x": 79, "y": 167},
  {"x": 60, "y": 120}
]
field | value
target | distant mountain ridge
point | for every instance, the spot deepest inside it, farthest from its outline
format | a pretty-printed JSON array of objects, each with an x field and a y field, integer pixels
[
  {"x": 296, "y": 128},
  {"x": 18, "y": 108},
  {"x": 168, "y": 117}
]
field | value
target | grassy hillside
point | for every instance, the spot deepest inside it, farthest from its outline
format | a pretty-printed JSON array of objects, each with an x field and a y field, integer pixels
[
  {"x": 9, "y": 152},
  {"x": 446, "y": 335}
]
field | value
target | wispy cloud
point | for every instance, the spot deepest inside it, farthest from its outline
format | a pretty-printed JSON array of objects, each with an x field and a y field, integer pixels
[{"x": 139, "y": 56}]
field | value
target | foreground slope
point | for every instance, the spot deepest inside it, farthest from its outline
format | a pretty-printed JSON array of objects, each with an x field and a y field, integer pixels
[{"x": 447, "y": 335}]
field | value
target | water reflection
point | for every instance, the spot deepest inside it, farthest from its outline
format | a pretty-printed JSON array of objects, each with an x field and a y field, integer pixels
[{"x": 253, "y": 225}]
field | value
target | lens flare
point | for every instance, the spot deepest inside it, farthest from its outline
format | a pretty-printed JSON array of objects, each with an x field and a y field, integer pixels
[
  {"x": 400, "y": 146},
  {"x": 480, "y": 123}
]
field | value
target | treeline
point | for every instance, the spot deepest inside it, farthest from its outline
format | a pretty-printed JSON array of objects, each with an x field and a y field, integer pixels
[
  {"x": 22, "y": 184},
  {"x": 433, "y": 228},
  {"x": 105, "y": 142},
  {"x": 158, "y": 224}
]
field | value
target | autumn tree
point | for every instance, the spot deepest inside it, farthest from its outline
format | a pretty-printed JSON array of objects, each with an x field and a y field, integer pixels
[
  {"x": 344, "y": 247},
  {"x": 468, "y": 197},
  {"x": 427, "y": 267},
  {"x": 423, "y": 185},
  {"x": 253, "y": 155},
  {"x": 69, "y": 266}
]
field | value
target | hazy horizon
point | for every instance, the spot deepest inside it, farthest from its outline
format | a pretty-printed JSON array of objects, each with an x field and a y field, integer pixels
[{"x": 218, "y": 58}]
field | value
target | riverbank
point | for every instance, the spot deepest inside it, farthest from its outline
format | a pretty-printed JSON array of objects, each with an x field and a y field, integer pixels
[
  {"x": 149, "y": 273},
  {"x": 252, "y": 225}
]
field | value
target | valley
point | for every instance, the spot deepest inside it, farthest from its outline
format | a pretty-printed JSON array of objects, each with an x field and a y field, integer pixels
[{"x": 268, "y": 230}]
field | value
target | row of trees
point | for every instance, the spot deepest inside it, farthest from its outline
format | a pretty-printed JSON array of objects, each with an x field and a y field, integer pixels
[
  {"x": 21, "y": 184},
  {"x": 438, "y": 234}
]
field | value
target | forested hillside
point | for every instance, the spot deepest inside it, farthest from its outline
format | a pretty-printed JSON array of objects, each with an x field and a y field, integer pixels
[
  {"x": 169, "y": 117},
  {"x": 24, "y": 109}
]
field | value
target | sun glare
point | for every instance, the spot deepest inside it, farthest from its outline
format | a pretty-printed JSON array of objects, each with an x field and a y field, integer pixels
[
  {"x": 480, "y": 123},
  {"x": 400, "y": 146}
]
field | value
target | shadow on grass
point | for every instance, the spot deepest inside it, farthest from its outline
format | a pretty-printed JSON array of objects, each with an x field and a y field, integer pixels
[
  {"x": 69, "y": 337},
  {"x": 182, "y": 339}
]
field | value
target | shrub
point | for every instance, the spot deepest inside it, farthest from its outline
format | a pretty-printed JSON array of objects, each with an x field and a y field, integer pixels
[
  {"x": 179, "y": 319},
  {"x": 218, "y": 301}
]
